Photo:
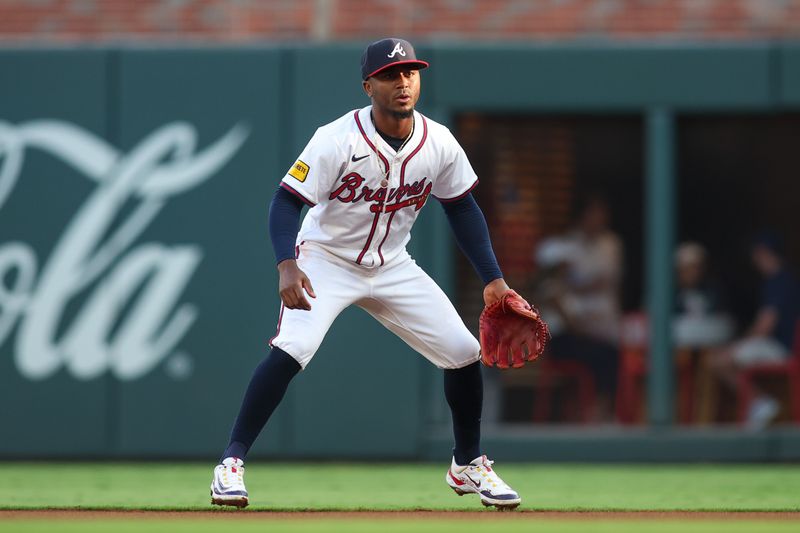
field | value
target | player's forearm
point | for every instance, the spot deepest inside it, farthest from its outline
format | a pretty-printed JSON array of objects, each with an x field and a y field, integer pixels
[
  {"x": 284, "y": 219},
  {"x": 472, "y": 234}
]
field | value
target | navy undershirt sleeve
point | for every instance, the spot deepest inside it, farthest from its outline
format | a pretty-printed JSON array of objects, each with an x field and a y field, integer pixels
[
  {"x": 472, "y": 235},
  {"x": 284, "y": 221}
]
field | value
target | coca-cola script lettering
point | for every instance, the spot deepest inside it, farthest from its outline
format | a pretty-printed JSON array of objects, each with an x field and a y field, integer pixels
[{"x": 164, "y": 164}]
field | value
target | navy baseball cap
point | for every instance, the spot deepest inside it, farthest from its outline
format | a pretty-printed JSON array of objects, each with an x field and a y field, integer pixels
[{"x": 386, "y": 53}]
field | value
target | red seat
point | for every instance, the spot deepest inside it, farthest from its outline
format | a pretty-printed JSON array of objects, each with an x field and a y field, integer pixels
[
  {"x": 633, "y": 368},
  {"x": 789, "y": 368},
  {"x": 549, "y": 372}
]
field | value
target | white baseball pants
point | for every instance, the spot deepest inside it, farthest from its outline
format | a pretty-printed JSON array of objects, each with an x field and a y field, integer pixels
[{"x": 401, "y": 296}]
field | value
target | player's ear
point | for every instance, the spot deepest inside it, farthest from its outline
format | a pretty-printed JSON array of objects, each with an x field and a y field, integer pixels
[{"x": 367, "y": 88}]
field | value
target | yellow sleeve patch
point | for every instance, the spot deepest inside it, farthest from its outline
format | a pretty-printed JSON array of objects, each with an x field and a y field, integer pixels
[{"x": 299, "y": 171}]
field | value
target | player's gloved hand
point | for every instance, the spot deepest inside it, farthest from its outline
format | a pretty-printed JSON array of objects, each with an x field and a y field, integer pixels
[
  {"x": 291, "y": 285},
  {"x": 511, "y": 327}
]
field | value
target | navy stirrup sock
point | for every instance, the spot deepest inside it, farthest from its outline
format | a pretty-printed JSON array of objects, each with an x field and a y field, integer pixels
[
  {"x": 463, "y": 388},
  {"x": 267, "y": 386}
]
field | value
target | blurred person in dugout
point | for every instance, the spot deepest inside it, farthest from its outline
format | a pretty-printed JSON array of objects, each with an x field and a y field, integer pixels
[
  {"x": 578, "y": 293},
  {"x": 769, "y": 337},
  {"x": 701, "y": 317},
  {"x": 700, "y": 324}
]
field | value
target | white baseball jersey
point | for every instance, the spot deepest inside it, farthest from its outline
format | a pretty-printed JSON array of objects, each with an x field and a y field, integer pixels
[
  {"x": 364, "y": 200},
  {"x": 364, "y": 197}
]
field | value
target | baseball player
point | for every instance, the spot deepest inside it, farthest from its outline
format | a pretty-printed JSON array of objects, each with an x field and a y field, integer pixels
[{"x": 365, "y": 177}]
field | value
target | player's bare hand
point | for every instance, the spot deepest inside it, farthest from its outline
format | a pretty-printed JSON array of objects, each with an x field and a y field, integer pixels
[
  {"x": 494, "y": 291},
  {"x": 293, "y": 284}
]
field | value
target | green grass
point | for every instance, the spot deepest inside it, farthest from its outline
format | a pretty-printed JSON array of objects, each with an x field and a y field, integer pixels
[{"x": 404, "y": 486}]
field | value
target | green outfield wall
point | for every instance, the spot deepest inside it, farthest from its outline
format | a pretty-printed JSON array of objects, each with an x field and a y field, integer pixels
[{"x": 137, "y": 283}]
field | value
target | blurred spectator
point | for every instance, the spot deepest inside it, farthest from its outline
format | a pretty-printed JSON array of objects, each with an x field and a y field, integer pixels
[
  {"x": 553, "y": 257},
  {"x": 701, "y": 318},
  {"x": 769, "y": 338},
  {"x": 595, "y": 272},
  {"x": 578, "y": 293}
]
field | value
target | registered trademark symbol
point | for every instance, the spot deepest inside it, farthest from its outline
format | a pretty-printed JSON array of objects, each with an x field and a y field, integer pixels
[{"x": 179, "y": 366}]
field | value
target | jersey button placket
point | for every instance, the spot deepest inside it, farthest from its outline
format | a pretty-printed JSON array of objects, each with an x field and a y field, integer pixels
[{"x": 387, "y": 182}]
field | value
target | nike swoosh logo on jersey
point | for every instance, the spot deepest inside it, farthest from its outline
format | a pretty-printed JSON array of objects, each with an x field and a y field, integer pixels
[{"x": 355, "y": 159}]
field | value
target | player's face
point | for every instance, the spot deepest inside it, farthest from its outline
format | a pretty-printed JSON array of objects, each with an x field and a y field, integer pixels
[{"x": 394, "y": 90}]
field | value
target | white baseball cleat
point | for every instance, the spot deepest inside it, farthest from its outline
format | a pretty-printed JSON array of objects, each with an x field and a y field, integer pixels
[
  {"x": 227, "y": 488},
  {"x": 480, "y": 478}
]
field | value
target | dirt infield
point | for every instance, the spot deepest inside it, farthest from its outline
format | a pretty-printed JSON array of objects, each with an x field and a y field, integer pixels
[{"x": 59, "y": 514}]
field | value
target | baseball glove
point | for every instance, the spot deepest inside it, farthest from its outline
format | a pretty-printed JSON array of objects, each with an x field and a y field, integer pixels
[{"x": 511, "y": 325}]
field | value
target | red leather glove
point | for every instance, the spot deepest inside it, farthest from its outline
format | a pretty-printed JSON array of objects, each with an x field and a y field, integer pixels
[{"x": 511, "y": 326}]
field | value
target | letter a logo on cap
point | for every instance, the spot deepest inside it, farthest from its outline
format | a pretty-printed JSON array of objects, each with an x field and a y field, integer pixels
[{"x": 398, "y": 49}]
